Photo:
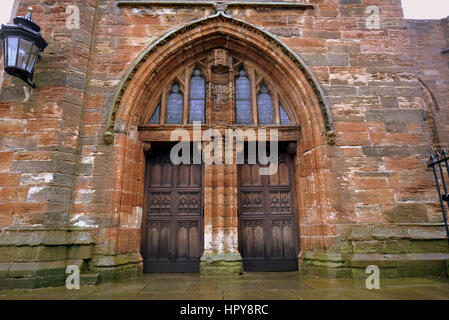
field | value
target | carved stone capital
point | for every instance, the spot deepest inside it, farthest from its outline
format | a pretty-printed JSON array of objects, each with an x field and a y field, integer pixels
[
  {"x": 146, "y": 148},
  {"x": 108, "y": 137},
  {"x": 291, "y": 148},
  {"x": 331, "y": 138},
  {"x": 220, "y": 61},
  {"x": 220, "y": 6}
]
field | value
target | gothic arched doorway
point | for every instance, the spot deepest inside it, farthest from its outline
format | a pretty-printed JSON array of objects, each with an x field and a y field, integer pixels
[
  {"x": 250, "y": 81},
  {"x": 226, "y": 94}
]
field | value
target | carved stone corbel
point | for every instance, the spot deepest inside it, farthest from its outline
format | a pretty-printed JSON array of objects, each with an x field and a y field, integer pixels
[
  {"x": 220, "y": 6},
  {"x": 291, "y": 148},
  {"x": 146, "y": 148},
  {"x": 108, "y": 137},
  {"x": 331, "y": 138}
]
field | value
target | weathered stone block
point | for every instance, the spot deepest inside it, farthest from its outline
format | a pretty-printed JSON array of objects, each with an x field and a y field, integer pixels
[
  {"x": 331, "y": 59},
  {"x": 350, "y": 1},
  {"x": 79, "y": 252},
  {"x": 89, "y": 279},
  {"x": 372, "y": 246},
  {"x": 406, "y": 212},
  {"x": 221, "y": 263}
]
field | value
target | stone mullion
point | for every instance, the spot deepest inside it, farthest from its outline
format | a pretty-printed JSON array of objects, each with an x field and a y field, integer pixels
[
  {"x": 220, "y": 210},
  {"x": 185, "y": 107},
  {"x": 220, "y": 218},
  {"x": 277, "y": 116},
  {"x": 252, "y": 79},
  {"x": 163, "y": 106},
  {"x": 232, "y": 183}
]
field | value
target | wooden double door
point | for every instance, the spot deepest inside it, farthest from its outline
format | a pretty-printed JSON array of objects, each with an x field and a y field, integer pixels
[
  {"x": 268, "y": 229},
  {"x": 173, "y": 236}
]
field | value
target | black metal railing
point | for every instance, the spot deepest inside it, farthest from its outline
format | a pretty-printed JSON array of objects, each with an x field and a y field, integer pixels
[{"x": 437, "y": 161}]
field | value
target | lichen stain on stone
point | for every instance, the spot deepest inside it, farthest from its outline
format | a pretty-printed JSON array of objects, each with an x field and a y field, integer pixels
[
  {"x": 82, "y": 221},
  {"x": 84, "y": 195}
]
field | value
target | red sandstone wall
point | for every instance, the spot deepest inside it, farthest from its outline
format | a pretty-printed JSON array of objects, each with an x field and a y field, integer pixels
[
  {"x": 428, "y": 38},
  {"x": 40, "y": 128},
  {"x": 374, "y": 174}
]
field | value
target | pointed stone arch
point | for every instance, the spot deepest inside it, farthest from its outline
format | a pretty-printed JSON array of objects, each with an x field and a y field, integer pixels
[
  {"x": 432, "y": 108},
  {"x": 227, "y": 27},
  {"x": 308, "y": 107}
]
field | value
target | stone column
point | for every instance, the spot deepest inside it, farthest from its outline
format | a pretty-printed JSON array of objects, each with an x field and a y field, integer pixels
[{"x": 221, "y": 254}]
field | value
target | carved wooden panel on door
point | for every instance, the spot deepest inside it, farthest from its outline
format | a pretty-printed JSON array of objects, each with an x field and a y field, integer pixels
[
  {"x": 174, "y": 215},
  {"x": 268, "y": 232}
]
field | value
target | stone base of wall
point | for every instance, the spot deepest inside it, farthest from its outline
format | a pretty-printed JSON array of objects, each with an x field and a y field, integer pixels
[
  {"x": 38, "y": 257},
  {"x": 19, "y": 275},
  {"x": 15, "y": 275},
  {"x": 119, "y": 267},
  {"x": 392, "y": 265},
  {"x": 32, "y": 258},
  {"x": 228, "y": 263}
]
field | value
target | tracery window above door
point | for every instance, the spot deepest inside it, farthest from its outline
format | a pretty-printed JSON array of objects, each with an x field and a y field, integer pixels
[
  {"x": 242, "y": 89},
  {"x": 197, "y": 96}
]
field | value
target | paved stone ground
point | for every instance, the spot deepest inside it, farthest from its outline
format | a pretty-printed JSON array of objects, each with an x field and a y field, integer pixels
[{"x": 272, "y": 286}]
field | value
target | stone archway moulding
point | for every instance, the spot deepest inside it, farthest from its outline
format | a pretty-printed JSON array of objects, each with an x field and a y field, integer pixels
[
  {"x": 108, "y": 135},
  {"x": 304, "y": 96}
]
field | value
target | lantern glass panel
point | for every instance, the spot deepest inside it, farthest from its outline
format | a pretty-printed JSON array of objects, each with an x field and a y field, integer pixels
[
  {"x": 4, "y": 45},
  {"x": 13, "y": 43},
  {"x": 24, "y": 53},
  {"x": 33, "y": 57}
]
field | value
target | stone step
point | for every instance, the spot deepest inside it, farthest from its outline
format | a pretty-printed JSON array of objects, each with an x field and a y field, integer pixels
[{"x": 89, "y": 278}]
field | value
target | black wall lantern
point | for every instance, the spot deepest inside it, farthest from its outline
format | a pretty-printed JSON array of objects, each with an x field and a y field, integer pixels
[{"x": 22, "y": 45}]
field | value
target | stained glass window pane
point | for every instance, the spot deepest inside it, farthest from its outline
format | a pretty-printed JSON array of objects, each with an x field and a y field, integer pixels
[
  {"x": 196, "y": 111},
  {"x": 155, "y": 119},
  {"x": 284, "y": 116},
  {"x": 197, "y": 97},
  {"x": 242, "y": 88},
  {"x": 243, "y": 111},
  {"x": 174, "y": 106},
  {"x": 265, "y": 106},
  {"x": 242, "y": 98}
]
